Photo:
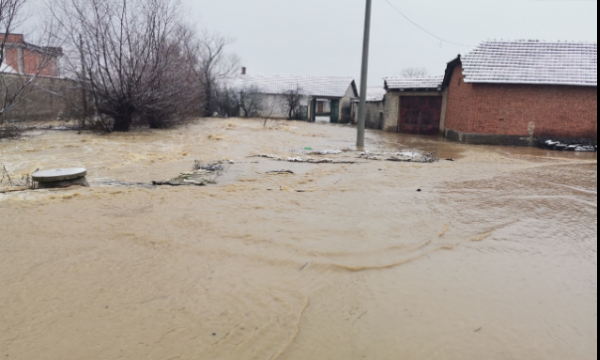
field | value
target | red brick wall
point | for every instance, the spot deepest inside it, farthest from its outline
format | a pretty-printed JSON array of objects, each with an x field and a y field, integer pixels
[
  {"x": 13, "y": 38},
  {"x": 32, "y": 62},
  {"x": 12, "y": 58},
  {"x": 556, "y": 111}
]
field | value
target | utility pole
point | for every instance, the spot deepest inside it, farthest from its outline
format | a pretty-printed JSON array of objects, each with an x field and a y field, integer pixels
[
  {"x": 84, "y": 102},
  {"x": 362, "y": 112}
]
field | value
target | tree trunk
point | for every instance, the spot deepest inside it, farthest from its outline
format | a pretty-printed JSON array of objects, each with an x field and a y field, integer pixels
[
  {"x": 156, "y": 122},
  {"x": 123, "y": 122},
  {"x": 208, "y": 102}
]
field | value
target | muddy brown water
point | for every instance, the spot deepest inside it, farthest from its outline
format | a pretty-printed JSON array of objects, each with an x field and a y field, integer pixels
[{"x": 495, "y": 259}]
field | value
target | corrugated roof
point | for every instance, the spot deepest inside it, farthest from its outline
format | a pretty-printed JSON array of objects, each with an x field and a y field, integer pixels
[
  {"x": 532, "y": 62},
  {"x": 309, "y": 85},
  {"x": 434, "y": 82}
]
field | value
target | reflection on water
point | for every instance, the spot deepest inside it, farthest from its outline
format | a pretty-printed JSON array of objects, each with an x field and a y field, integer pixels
[{"x": 496, "y": 257}]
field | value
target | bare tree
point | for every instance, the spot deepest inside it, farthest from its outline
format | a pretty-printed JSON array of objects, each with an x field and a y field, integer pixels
[
  {"x": 252, "y": 102},
  {"x": 414, "y": 73},
  {"x": 15, "y": 87},
  {"x": 293, "y": 102},
  {"x": 214, "y": 67},
  {"x": 128, "y": 55},
  {"x": 228, "y": 101},
  {"x": 268, "y": 108}
]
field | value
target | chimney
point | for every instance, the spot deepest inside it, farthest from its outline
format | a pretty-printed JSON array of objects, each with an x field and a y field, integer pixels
[{"x": 244, "y": 71}]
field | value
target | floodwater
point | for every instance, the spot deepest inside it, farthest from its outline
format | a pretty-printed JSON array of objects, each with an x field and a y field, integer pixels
[{"x": 495, "y": 258}]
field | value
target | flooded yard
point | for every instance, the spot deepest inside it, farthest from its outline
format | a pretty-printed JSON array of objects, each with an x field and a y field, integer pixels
[{"x": 491, "y": 256}]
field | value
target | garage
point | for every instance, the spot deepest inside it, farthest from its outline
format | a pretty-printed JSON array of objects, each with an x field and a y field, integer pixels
[{"x": 420, "y": 115}]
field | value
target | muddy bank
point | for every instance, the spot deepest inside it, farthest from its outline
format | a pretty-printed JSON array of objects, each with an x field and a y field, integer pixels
[{"x": 495, "y": 258}]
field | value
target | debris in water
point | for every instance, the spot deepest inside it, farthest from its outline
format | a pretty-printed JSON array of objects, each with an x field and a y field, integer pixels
[
  {"x": 400, "y": 157},
  {"x": 268, "y": 156},
  {"x": 307, "y": 160},
  {"x": 325, "y": 152},
  {"x": 478, "y": 330},
  {"x": 568, "y": 146},
  {"x": 188, "y": 179},
  {"x": 280, "y": 172},
  {"x": 204, "y": 174},
  {"x": 310, "y": 160}
]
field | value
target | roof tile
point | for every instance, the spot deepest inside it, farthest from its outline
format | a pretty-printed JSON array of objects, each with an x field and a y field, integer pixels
[
  {"x": 414, "y": 84},
  {"x": 532, "y": 62}
]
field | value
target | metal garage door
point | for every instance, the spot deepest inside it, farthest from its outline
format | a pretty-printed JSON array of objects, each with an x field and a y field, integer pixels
[{"x": 420, "y": 114}]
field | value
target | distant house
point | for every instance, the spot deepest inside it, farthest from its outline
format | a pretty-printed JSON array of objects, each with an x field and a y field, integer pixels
[
  {"x": 503, "y": 92},
  {"x": 27, "y": 59},
  {"x": 324, "y": 98}
]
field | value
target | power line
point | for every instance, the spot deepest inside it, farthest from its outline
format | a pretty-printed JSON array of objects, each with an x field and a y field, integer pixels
[{"x": 442, "y": 40}]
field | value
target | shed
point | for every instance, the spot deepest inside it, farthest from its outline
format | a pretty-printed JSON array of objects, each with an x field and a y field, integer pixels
[
  {"x": 374, "y": 110},
  {"x": 414, "y": 106}
]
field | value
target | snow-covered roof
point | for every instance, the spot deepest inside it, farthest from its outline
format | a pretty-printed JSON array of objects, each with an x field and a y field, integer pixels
[
  {"x": 309, "y": 85},
  {"x": 434, "y": 82},
  {"x": 532, "y": 62},
  {"x": 375, "y": 94}
]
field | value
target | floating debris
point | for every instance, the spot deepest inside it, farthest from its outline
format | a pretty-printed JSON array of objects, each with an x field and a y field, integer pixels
[
  {"x": 203, "y": 175},
  {"x": 268, "y": 156},
  {"x": 400, "y": 157},
  {"x": 280, "y": 172},
  {"x": 307, "y": 160},
  {"x": 310, "y": 160},
  {"x": 325, "y": 152},
  {"x": 216, "y": 166},
  {"x": 572, "y": 146},
  {"x": 196, "y": 178}
]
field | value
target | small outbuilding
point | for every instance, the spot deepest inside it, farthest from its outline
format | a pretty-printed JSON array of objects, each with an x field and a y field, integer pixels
[
  {"x": 414, "y": 106},
  {"x": 322, "y": 98},
  {"x": 374, "y": 110}
]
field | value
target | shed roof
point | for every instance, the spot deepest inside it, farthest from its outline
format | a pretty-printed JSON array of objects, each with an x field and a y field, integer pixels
[
  {"x": 325, "y": 86},
  {"x": 532, "y": 62},
  {"x": 375, "y": 94},
  {"x": 404, "y": 84}
]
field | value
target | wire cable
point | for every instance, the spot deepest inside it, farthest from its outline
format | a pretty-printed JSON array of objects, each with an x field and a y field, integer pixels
[{"x": 442, "y": 40}]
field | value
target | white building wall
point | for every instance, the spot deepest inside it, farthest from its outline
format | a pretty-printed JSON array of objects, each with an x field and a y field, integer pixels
[{"x": 275, "y": 106}]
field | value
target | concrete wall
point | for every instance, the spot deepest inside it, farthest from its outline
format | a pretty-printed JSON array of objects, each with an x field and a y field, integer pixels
[
  {"x": 392, "y": 107},
  {"x": 515, "y": 114},
  {"x": 375, "y": 115},
  {"x": 45, "y": 99}
]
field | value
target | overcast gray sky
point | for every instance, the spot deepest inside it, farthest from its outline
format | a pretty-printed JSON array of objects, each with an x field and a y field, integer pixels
[{"x": 324, "y": 37}]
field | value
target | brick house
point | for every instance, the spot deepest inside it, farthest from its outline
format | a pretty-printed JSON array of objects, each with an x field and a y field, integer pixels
[
  {"x": 28, "y": 59},
  {"x": 515, "y": 93},
  {"x": 506, "y": 93}
]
